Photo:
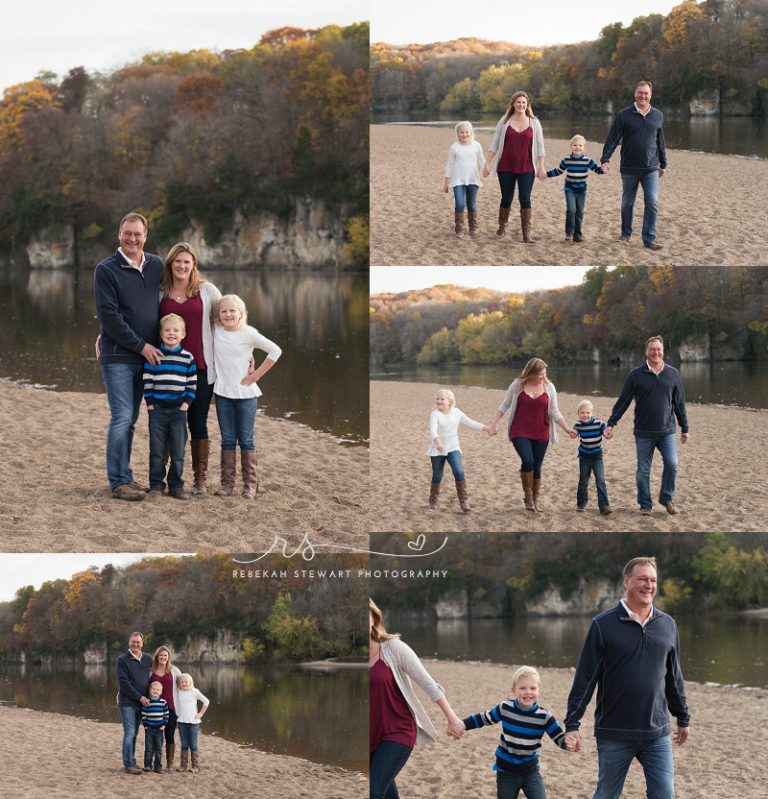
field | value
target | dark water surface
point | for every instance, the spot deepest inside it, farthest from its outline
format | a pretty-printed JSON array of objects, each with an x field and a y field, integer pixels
[{"x": 319, "y": 319}]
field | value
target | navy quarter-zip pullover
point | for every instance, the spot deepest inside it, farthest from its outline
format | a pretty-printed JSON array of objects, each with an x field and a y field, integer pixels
[{"x": 642, "y": 141}]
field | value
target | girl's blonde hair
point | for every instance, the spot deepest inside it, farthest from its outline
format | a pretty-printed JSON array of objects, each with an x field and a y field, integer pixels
[
  {"x": 378, "y": 631},
  {"x": 156, "y": 662},
  {"x": 185, "y": 676},
  {"x": 533, "y": 367},
  {"x": 195, "y": 278},
  {"x": 511, "y": 109},
  {"x": 464, "y": 124},
  {"x": 578, "y": 137},
  {"x": 525, "y": 671},
  {"x": 585, "y": 403},
  {"x": 448, "y": 394},
  {"x": 238, "y": 303}
]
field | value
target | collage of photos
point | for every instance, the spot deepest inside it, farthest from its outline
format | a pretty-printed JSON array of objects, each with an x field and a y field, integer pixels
[{"x": 449, "y": 322}]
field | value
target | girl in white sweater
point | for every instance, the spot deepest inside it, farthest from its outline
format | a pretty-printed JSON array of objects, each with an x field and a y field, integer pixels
[
  {"x": 462, "y": 174},
  {"x": 189, "y": 719},
  {"x": 444, "y": 424}
]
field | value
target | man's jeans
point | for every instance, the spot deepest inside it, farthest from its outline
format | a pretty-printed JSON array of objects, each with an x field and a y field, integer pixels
[
  {"x": 615, "y": 757},
  {"x": 125, "y": 390},
  {"x": 650, "y": 184},
  {"x": 574, "y": 212},
  {"x": 465, "y": 196},
  {"x": 131, "y": 718},
  {"x": 167, "y": 430},
  {"x": 596, "y": 466},
  {"x": 153, "y": 748},
  {"x": 236, "y": 419},
  {"x": 667, "y": 447}
]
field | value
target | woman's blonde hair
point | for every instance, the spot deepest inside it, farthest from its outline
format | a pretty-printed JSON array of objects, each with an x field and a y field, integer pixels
[
  {"x": 522, "y": 672},
  {"x": 238, "y": 303},
  {"x": 156, "y": 662},
  {"x": 533, "y": 367},
  {"x": 448, "y": 394},
  {"x": 185, "y": 676},
  {"x": 464, "y": 124},
  {"x": 511, "y": 108},
  {"x": 195, "y": 278},
  {"x": 378, "y": 631}
]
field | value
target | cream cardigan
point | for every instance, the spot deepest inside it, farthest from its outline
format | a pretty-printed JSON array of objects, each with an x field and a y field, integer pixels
[
  {"x": 497, "y": 146},
  {"x": 509, "y": 403}
]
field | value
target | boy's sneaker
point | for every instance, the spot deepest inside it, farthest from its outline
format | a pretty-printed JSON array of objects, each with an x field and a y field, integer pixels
[
  {"x": 578, "y": 238},
  {"x": 645, "y": 511},
  {"x": 568, "y": 238},
  {"x": 606, "y": 511},
  {"x": 154, "y": 494},
  {"x": 178, "y": 493},
  {"x": 581, "y": 508},
  {"x": 624, "y": 239}
]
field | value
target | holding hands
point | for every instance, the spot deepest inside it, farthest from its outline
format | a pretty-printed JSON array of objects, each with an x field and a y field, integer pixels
[
  {"x": 490, "y": 429},
  {"x": 573, "y": 741},
  {"x": 608, "y": 432},
  {"x": 456, "y": 728}
]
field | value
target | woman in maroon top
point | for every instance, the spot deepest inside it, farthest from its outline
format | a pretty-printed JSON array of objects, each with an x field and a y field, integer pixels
[{"x": 164, "y": 672}]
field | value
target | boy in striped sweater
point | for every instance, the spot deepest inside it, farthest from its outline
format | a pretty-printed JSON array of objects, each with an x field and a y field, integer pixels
[
  {"x": 169, "y": 389},
  {"x": 590, "y": 431},
  {"x": 154, "y": 717},
  {"x": 523, "y": 724},
  {"x": 576, "y": 167}
]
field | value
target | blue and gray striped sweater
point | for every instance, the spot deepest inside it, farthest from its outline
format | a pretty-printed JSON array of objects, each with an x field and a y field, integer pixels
[
  {"x": 173, "y": 381},
  {"x": 155, "y": 714},
  {"x": 590, "y": 437},
  {"x": 576, "y": 172}
]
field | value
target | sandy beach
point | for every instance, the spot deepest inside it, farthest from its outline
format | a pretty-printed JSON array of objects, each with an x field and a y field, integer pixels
[
  {"x": 715, "y": 761},
  {"x": 50, "y": 756},
  {"x": 711, "y": 495},
  {"x": 711, "y": 209},
  {"x": 55, "y": 496}
]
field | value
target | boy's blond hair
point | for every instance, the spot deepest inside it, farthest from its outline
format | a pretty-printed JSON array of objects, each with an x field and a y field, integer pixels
[
  {"x": 156, "y": 683},
  {"x": 173, "y": 317},
  {"x": 525, "y": 671},
  {"x": 585, "y": 403},
  {"x": 465, "y": 124},
  {"x": 578, "y": 137},
  {"x": 449, "y": 395},
  {"x": 185, "y": 676}
]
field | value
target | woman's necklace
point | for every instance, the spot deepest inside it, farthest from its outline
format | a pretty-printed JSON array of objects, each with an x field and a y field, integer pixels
[{"x": 180, "y": 295}]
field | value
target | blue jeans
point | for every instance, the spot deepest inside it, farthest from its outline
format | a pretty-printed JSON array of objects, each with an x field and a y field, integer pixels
[
  {"x": 197, "y": 415},
  {"x": 125, "y": 391},
  {"x": 170, "y": 727},
  {"x": 524, "y": 181},
  {"x": 615, "y": 757},
  {"x": 465, "y": 196},
  {"x": 131, "y": 718},
  {"x": 588, "y": 466},
  {"x": 667, "y": 447},
  {"x": 454, "y": 461},
  {"x": 650, "y": 184},
  {"x": 236, "y": 420},
  {"x": 574, "y": 212},
  {"x": 153, "y": 748},
  {"x": 509, "y": 785},
  {"x": 531, "y": 454},
  {"x": 188, "y": 735},
  {"x": 387, "y": 761},
  {"x": 167, "y": 431}
]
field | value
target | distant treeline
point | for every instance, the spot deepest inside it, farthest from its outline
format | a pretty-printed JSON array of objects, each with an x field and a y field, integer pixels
[
  {"x": 696, "y": 572},
  {"x": 170, "y": 599},
  {"x": 717, "y": 49},
  {"x": 613, "y": 311},
  {"x": 198, "y": 135}
]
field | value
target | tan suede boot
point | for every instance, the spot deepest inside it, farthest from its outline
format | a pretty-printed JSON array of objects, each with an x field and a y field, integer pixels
[
  {"x": 200, "y": 448},
  {"x": 434, "y": 494},
  {"x": 503, "y": 219},
  {"x": 458, "y": 219},
  {"x": 184, "y": 759},
  {"x": 195, "y": 762},
  {"x": 473, "y": 228},
  {"x": 535, "y": 492},
  {"x": 525, "y": 224},
  {"x": 170, "y": 752},
  {"x": 461, "y": 492},
  {"x": 228, "y": 461},
  {"x": 248, "y": 463},
  {"x": 527, "y": 481}
]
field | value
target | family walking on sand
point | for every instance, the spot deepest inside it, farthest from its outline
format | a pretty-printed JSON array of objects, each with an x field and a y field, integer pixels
[
  {"x": 631, "y": 656},
  {"x": 169, "y": 338},
  {"x": 534, "y": 416},
  {"x": 517, "y": 154}
]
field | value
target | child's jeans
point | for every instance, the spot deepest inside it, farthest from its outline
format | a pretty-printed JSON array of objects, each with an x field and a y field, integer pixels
[
  {"x": 454, "y": 461},
  {"x": 153, "y": 747},
  {"x": 167, "y": 432},
  {"x": 594, "y": 466},
  {"x": 574, "y": 212},
  {"x": 465, "y": 196},
  {"x": 188, "y": 735},
  {"x": 509, "y": 785},
  {"x": 236, "y": 419}
]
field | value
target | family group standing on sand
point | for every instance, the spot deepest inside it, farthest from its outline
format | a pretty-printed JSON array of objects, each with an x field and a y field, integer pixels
[
  {"x": 534, "y": 415},
  {"x": 518, "y": 151},
  {"x": 631, "y": 655},
  {"x": 168, "y": 337}
]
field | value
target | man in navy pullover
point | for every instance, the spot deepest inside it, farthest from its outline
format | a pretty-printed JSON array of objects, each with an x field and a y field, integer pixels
[
  {"x": 659, "y": 398},
  {"x": 632, "y": 656},
  {"x": 134, "y": 668},
  {"x": 127, "y": 291},
  {"x": 643, "y": 160}
]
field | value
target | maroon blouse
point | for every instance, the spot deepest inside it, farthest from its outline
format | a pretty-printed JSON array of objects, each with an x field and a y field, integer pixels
[
  {"x": 191, "y": 311},
  {"x": 531, "y": 418},
  {"x": 390, "y": 717},
  {"x": 517, "y": 155},
  {"x": 167, "y": 682}
]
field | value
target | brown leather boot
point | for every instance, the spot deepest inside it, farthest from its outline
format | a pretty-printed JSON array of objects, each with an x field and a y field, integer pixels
[
  {"x": 525, "y": 224},
  {"x": 195, "y": 762},
  {"x": 535, "y": 492},
  {"x": 458, "y": 219},
  {"x": 503, "y": 218},
  {"x": 184, "y": 759},
  {"x": 472, "y": 217},
  {"x": 461, "y": 492},
  {"x": 434, "y": 494},
  {"x": 201, "y": 449},
  {"x": 228, "y": 461},
  {"x": 248, "y": 463},
  {"x": 170, "y": 752},
  {"x": 527, "y": 480}
]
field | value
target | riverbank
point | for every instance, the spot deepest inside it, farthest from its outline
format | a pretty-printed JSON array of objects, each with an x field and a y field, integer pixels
[
  {"x": 717, "y": 760},
  {"x": 50, "y": 756},
  {"x": 721, "y": 482},
  {"x": 709, "y": 211},
  {"x": 54, "y": 495}
]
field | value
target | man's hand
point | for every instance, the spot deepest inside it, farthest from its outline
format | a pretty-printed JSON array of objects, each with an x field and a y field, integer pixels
[
  {"x": 608, "y": 432},
  {"x": 661, "y": 173},
  {"x": 684, "y": 438},
  {"x": 573, "y": 741},
  {"x": 151, "y": 354},
  {"x": 681, "y": 736},
  {"x": 144, "y": 701},
  {"x": 606, "y": 168}
]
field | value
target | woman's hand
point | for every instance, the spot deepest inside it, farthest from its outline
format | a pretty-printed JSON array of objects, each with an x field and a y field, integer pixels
[
  {"x": 456, "y": 728},
  {"x": 572, "y": 433},
  {"x": 486, "y": 171}
]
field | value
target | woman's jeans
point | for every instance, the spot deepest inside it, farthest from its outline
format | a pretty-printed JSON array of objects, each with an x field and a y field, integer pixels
[
  {"x": 387, "y": 760},
  {"x": 587, "y": 467},
  {"x": 197, "y": 415},
  {"x": 650, "y": 184},
  {"x": 465, "y": 196},
  {"x": 236, "y": 420},
  {"x": 170, "y": 727},
  {"x": 615, "y": 757},
  {"x": 188, "y": 735},
  {"x": 667, "y": 447},
  {"x": 167, "y": 431},
  {"x": 509, "y": 785},
  {"x": 524, "y": 181},
  {"x": 574, "y": 212},
  {"x": 438, "y": 466},
  {"x": 531, "y": 454},
  {"x": 125, "y": 392}
]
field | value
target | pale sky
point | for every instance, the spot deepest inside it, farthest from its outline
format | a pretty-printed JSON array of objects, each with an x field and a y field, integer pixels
[
  {"x": 534, "y": 22},
  {"x": 501, "y": 278},
  {"x": 103, "y": 35}
]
